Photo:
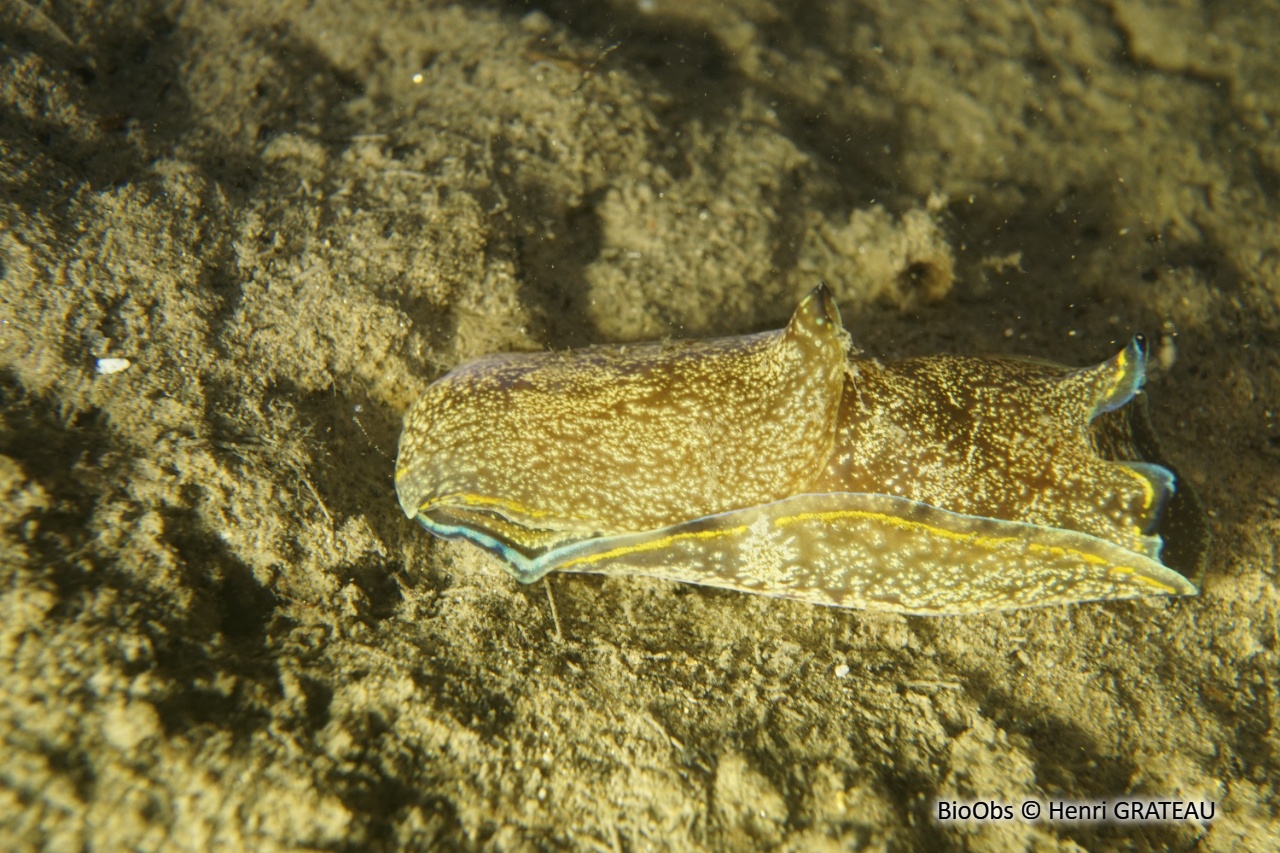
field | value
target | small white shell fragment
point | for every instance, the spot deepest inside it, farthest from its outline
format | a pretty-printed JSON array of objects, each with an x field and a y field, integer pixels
[{"x": 108, "y": 366}]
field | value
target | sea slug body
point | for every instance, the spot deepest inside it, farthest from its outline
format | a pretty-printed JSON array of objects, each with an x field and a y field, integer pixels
[{"x": 784, "y": 464}]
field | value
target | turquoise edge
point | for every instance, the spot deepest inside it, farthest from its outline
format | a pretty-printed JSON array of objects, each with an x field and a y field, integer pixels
[
  {"x": 1162, "y": 479},
  {"x": 527, "y": 570},
  {"x": 1136, "y": 379}
]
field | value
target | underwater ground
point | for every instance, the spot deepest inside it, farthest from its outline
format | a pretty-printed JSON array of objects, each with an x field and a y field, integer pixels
[{"x": 219, "y": 631}]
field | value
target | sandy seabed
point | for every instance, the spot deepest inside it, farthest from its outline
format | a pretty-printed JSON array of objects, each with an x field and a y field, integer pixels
[{"x": 219, "y": 632}]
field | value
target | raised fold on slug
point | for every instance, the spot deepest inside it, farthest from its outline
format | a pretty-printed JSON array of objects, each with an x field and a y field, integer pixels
[{"x": 875, "y": 552}]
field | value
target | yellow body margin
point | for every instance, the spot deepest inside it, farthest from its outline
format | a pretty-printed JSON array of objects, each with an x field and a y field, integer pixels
[
  {"x": 991, "y": 543},
  {"x": 652, "y": 545},
  {"x": 988, "y": 542},
  {"x": 469, "y": 499},
  {"x": 1134, "y": 575},
  {"x": 1122, "y": 362}
]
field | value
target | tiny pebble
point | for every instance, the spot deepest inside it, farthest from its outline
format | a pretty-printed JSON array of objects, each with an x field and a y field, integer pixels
[{"x": 108, "y": 366}]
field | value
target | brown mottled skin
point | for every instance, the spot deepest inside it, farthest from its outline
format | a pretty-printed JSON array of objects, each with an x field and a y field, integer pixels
[
  {"x": 630, "y": 438},
  {"x": 995, "y": 437}
]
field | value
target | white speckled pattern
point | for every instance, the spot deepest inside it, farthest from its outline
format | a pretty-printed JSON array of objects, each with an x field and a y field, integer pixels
[{"x": 781, "y": 464}]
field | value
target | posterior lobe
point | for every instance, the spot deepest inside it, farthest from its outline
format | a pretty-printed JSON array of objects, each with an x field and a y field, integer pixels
[{"x": 998, "y": 438}]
